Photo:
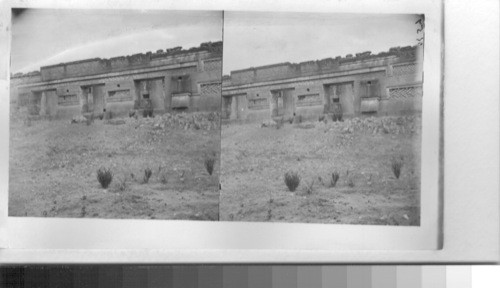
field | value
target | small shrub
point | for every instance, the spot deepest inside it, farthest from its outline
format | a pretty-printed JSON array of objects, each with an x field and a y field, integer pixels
[
  {"x": 396, "y": 165},
  {"x": 162, "y": 175},
  {"x": 209, "y": 164},
  {"x": 163, "y": 178},
  {"x": 309, "y": 187},
  {"x": 83, "y": 212},
  {"x": 122, "y": 184},
  {"x": 335, "y": 178},
  {"x": 269, "y": 215},
  {"x": 350, "y": 181},
  {"x": 104, "y": 176},
  {"x": 292, "y": 180},
  {"x": 147, "y": 175}
]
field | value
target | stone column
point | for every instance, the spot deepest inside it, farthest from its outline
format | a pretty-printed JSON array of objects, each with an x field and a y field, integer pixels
[
  {"x": 166, "y": 102},
  {"x": 43, "y": 104},
  {"x": 90, "y": 99},
  {"x": 80, "y": 99},
  {"x": 272, "y": 105},
  {"x": 234, "y": 107}
]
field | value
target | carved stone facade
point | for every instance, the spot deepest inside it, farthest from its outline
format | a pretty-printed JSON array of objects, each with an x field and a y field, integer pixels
[
  {"x": 122, "y": 83},
  {"x": 387, "y": 83}
]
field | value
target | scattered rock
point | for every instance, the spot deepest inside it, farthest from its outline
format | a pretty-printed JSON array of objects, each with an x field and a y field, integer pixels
[
  {"x": 347, "y": 130},
  {"x": 78, "y": 119},
  {"x": 268, "y": 123}
]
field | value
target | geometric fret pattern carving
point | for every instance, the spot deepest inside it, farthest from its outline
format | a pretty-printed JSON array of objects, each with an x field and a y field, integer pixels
[
  {"x": 68, "y": 100},
  {"x": 211, "y": 90},
  {"x": 119, "y": 96},
  {"x": 309, "y": 100},
  {"x": 405, "y": 92},
  {"x": 258, "y": 103},
  {"x": 212, "y": 65},
  {"x": 404, "y": 69}
]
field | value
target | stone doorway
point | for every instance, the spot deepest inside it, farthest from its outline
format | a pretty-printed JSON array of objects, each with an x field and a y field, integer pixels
[
  {"x": 151, "y": 93},
  {"x": 236, "y": 103},
  {"x": 35, "y": 103},
  {"x": 233, "y": 106},
  {"x": 226, "y": 107},
  {"x": 282, "y": 103},
  {"x": 339, "y": 97},
  {"x": 93, "y": 98},
  {"x": 43, "y": 103}
]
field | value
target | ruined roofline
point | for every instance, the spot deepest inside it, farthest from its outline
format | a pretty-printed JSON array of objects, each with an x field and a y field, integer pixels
[
  {"x": 27, "y": 74},
  {"x": 262, "y": 67},
  {"x": 175, "y": 51},
  {"x": 394, "y": 51}
]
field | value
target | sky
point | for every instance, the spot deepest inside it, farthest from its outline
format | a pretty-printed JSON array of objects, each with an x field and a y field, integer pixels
[
  {"x": 43, "y": 37},
  {"x": 261, "y": 38}
]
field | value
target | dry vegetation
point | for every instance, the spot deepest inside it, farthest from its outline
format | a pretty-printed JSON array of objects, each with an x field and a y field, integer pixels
[
  {"x": 360, "y": 171},
  {"x": 157, "y": 168}
]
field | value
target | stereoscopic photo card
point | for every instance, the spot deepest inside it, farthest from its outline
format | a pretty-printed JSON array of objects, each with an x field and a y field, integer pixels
[
  {"x": 220, "y": 133},
  {"x": 115, "y": 114},
  {"x": 322, "y": 118}
]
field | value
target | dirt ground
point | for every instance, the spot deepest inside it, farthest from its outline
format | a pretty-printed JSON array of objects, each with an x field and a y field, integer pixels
[
  {"x": 53, "y": 168},
  {"x": 255, "y": 159}
]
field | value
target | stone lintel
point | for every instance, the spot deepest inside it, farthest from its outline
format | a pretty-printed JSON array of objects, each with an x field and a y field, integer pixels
[
  {"x": 53, "y": 83},
  {"x": 303, "y": 79}
]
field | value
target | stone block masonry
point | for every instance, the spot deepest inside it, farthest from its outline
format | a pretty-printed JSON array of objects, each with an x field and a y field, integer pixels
[
  {"x": 387, "y": 83},
  {"x": 123, "y": 83}
]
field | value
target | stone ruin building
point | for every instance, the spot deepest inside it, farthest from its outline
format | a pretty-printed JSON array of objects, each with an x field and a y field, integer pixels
[
  {"x": 175, "y": 79},
  {"x": 388, "y": 83}
]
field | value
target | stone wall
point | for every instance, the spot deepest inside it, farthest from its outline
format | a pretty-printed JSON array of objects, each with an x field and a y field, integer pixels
[
  {"x": 19, "y": 80},
  {"x": 329, "y": 65},
  {"x": 97, "y": 66},
  {"x": 385, "y": 84},
  {"x": 116, "y": 91}
]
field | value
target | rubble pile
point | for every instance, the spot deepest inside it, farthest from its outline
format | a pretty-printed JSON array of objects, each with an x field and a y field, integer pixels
[
  {"x": 381, "y": 125},
  {"x": 196, "y": 121}
]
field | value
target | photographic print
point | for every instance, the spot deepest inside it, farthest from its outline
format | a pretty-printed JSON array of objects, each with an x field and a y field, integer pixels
[
  {"x": 330, "y": 118},
  {"x": 115, "y": 113},
  {"x": 321, "y": 118}
]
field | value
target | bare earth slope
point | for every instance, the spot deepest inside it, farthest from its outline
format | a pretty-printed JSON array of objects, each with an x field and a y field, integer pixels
[
  {"x": 254, "y": 161},
  {"x": 53, "y": 168}
]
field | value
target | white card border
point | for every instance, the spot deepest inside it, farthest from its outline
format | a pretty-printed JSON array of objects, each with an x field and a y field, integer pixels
[{"x": 38, "y": 240}]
